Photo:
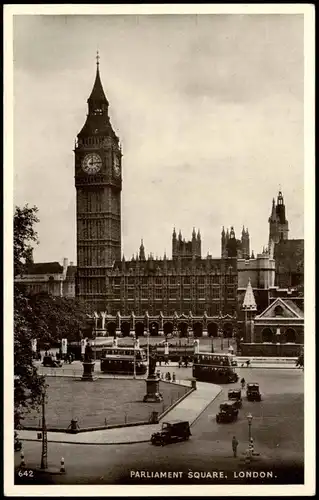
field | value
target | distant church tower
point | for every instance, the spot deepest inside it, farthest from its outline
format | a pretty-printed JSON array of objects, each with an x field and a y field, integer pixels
[
  {"x": 278, "y": 224},
  {"x": 98, "y": 183}
]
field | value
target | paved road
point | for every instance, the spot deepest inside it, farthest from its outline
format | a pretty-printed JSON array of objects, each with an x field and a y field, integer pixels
[{"x": 277, "y": 428}]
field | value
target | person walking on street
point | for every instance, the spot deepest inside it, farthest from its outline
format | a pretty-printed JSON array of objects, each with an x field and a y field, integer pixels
[
  {"x": 234, "y": 445},
  {"x": 243, "y": 382}
]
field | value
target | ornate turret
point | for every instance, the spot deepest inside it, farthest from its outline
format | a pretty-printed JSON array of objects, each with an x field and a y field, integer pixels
[
  {"x": 249, "y": 303},
  {"x": 142, "y": 251},
  {"x": 278, "y": 224},
  {"x": 97, "y": 121}
]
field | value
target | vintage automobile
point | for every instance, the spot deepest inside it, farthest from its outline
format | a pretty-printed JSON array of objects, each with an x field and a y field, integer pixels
[
  {"x": 172, "y": 431},
  {"x": 235, "y": 395},
  {"x": 252, "y": 392},
  {"x": 228, "y": 412},
  {"x": 49, "y": 361}
]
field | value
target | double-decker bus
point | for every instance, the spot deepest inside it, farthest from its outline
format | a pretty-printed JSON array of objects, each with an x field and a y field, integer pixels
[
  {"x": 175, "y": 352},
  {"x": 214, "y": 367},
  {"x": 122, "y": 359}
]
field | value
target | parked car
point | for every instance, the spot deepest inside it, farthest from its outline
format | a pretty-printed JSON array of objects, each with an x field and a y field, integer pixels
[
  {"x": 49, "y": 361},
  {"x": 235, "y": 395},
  {"x": 172, "y": 431},
  {"x": 228, "y": 412},
  {"x": 252, "y": 392}
]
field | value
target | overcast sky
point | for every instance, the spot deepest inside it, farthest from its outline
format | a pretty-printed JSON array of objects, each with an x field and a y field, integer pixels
[{"x": 209, "y": 110}]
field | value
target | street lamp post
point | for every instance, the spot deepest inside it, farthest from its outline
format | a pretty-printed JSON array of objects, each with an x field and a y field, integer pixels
[
  {"x": 249, "y": 419},
  {"x": 134, "y": 340},
  {"x": 44, "y": 454},
  {"x": 148, "y": 354}
]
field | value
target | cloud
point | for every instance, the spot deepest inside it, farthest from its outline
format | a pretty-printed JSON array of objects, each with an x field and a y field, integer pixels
[{"x": 209, "y": 110}]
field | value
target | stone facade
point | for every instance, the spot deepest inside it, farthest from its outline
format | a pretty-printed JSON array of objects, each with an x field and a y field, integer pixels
[
  {"x": 169, "y": 285},
  {"x": 49, "y": 277},
  {"x": 282, "y": 322},
  {"x": 289, "y": 257},
  {"x": 180, "y": 325}
]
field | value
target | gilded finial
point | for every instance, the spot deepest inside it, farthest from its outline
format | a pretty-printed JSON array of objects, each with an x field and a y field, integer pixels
[{"x": 97, "y": 58}]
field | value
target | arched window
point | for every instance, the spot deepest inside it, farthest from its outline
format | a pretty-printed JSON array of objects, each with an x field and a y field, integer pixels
[
  {"x": 290, "y": 335},
  {"x": 279, "y": 311},
  {"x": 267, "y": 335}
]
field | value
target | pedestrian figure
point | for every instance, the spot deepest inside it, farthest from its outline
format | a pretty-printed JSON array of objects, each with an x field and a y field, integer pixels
[
  {"x": 160, "y": 361},
  {"x": 234, "y": 445},
  {"x": 247, "y": 363},
  {"x": 180, "y": 361},
  {"x": 243, "y": 382}
]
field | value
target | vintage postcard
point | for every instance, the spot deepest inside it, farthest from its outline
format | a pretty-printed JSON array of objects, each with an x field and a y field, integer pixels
[{"x": 159, "y": 257}]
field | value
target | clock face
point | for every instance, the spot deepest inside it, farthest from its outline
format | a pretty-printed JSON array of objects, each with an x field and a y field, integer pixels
[
  {"x": 92, "y": 163},
  {"x": 116, "y": 166}
]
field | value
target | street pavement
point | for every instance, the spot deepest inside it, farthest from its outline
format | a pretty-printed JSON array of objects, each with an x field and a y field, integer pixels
[{"x": 277, "y": 429}]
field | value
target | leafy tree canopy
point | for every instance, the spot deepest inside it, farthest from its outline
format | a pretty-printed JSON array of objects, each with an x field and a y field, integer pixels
[{"x": 24, "y": 236}]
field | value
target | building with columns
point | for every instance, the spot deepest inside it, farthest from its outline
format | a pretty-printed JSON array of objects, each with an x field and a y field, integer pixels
[{"x": 50, "y": 277}]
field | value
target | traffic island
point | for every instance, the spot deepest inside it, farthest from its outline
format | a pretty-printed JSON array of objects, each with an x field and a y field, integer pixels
[{"x": 75, "y": 407}]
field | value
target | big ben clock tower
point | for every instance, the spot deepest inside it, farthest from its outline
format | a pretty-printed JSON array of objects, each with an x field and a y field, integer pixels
[{"x": 98, "y": 184}]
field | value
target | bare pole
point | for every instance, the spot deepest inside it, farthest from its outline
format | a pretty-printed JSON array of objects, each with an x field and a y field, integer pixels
[
  {"x": 134, "y": 375},
  {"x": 148, "y": 354},
  {"x": 44, "y": 454}
]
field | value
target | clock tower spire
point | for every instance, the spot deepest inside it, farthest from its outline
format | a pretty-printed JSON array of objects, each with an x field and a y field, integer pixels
[{"x": 98, "y": 183}]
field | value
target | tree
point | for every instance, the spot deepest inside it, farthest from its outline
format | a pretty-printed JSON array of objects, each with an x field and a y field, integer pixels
[
  {"x": 24, "y": 236},
  {"x": 28, "y": 385},
  {"x": 54, "y": 318}
]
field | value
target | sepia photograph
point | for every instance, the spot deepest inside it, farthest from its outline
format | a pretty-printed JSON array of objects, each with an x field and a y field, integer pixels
[{"x": 159, "y": 260}]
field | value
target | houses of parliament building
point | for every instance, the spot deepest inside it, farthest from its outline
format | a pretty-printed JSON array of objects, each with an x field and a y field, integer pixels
[{"x": 187, "y": 292}]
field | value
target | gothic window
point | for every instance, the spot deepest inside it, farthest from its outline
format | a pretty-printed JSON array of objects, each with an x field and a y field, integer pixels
[
  {"x": 230, "y": 279},
  {"x": 215, "y": 278},
  {"x": 158, "y": 293},
  {"x": 172, "y": 280},
  {"x": 187, "y": 280},
  {"x": 130, "y": 293},
  {"x": 144, "y": 293},
  {"x": 131, "y": 281},
  {"x": 214, "y": 309},
  {"x": 216, "y": 292},
  {"x": 144, "y": 280},
  {"x": 201, "y": 280},
  {"x": 201, "y": 292},
  {"x": 172, "y": 293},
  {"x": 229, "y": 292},
  {"x": 158, "y": 281},
  {"x": 187, "y": 292}
]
